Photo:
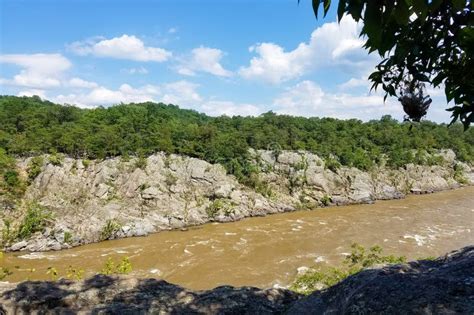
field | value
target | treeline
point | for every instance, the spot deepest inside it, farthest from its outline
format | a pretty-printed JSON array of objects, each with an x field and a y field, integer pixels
[{"x": 30, "y": 126}]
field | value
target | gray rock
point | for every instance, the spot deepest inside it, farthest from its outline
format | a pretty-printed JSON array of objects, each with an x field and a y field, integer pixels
[{"x": 18, "y": 246}]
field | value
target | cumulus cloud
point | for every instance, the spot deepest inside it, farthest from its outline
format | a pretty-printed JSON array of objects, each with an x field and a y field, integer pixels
[
  {"x": 80, "y": 83},
  {"x": 139, "y": 70},
  {"x": 309, "y": 99},
  {"x": 183, "y": 93},
  {"x": 124, "y": 47},
  {"x": 332, "y": 44},
  {"x": 38, "y": 70},
  {"x": 103, "y": 96},
  {"x": 203, "y": 59},
  {"x": 218, "y": 108}
]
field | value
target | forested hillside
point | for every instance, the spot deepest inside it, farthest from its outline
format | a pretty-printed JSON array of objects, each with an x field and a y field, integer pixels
[{"x": 30, "y": 126}]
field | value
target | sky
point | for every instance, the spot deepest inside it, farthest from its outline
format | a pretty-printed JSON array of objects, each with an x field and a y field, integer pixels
[{"x": 232, "y": 57}]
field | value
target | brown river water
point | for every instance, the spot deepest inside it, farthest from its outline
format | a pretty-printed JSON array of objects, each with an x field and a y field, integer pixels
[{"x": 266, "y": 251}]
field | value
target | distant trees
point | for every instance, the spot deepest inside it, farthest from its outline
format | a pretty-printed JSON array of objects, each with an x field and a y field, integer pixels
[{"x": 30, "y": 126}]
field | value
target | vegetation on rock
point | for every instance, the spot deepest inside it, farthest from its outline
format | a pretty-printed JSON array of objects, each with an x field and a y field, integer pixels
[{"x": 359, "y": 259}]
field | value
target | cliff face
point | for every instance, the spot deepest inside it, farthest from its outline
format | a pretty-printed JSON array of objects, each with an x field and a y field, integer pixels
[{"x": 93, "y": 201}]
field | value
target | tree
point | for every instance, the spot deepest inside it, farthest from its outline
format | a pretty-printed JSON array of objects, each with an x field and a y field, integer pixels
[{"x": 420, "y": 41}]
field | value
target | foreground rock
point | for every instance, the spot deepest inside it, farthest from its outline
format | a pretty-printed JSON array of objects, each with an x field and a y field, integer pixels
[
  {"x": 443, "y": 286},
  {"x": 91, "y": 201},
  {"x": 112, "y": 295}
]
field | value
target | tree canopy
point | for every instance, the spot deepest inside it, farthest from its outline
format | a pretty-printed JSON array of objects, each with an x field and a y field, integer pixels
[{"x": 419, "y": 40}]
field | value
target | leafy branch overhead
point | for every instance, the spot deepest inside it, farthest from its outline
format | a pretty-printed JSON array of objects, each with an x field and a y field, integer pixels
[{"x": 426, "y": 41}]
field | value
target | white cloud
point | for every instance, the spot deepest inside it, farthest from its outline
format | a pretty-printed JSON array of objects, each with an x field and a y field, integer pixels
[
  {"x": 104, "y": 96},
  {"x": 354, "y": 83},
  {"x": 308, "y": 99},
  {"x": 80, "y": 83},
  {"x": 32, "y": 92},
  {"x": 332, "y": 44},
  {"x": 204, "y": 59},
  {"x": 172, "y": 30},
  {"x": 218, "y": 108},
  {"x": 139, "y": 70},
  {"x": 124, "y": 47},
  {"x": 38, "y": 70},
  {"x": 181, "y": 93}
]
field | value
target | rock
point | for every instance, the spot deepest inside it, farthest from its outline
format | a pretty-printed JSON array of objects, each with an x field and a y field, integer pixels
[
  {"x": 175, "y": 191},
  {"x": 223, "y": 191},
  {"x": 117, "y": 295},
  {"x": 151, "y": 193},
  {"x": 18, "y": 246},
  {"x": 443, "y": 286}
]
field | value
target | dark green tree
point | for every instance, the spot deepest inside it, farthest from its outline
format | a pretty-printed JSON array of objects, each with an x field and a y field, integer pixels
[{"x": 420, "y": 41}]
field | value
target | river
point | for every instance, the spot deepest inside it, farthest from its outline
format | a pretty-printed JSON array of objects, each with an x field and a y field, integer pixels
[{"x": 266, "y": 251}]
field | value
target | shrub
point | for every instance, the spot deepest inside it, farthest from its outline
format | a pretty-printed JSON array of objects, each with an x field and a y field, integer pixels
[
  {"x": 67, "y": 237},
  {"x": 56, "y": 159},
  {"x": 360, "y": 258},
  {"x": 86, "y": 163},
  {"x": 35, "y": 220},
  {"x": 74, "y": 273},
  {"x": 332, "y": 164},
  {"x": 110, "y": 267},
  {"x": 34, "y": 167},
  {"x": 326, "y": 201},
  {"x": 110, "y": 228},
  {"x": 141, "y": 162},
  {"x": 214, "y": 207}
]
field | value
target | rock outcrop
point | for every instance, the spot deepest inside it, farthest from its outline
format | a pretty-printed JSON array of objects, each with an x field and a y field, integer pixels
[
  {"x": 96, "y": 200},
  {"x": 442, "y": 286}
]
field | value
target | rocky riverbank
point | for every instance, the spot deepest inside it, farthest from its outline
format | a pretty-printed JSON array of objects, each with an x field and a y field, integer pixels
[
  {"x": 441, "y": 286},
  {"x": 90, "y": 201}
]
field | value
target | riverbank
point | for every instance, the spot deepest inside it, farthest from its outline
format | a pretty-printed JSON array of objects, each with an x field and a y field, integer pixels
[
  {"x": 269, "y": 251},
  {"x": 91, "y": 201},
  {"x": 441, "y": 286}
]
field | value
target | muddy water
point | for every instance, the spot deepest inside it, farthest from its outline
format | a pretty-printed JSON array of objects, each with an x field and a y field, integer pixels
[{"x": 268, "y": 250}]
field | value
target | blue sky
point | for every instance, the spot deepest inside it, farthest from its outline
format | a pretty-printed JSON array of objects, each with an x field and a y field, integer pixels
[{"x": 219, "y": 57}]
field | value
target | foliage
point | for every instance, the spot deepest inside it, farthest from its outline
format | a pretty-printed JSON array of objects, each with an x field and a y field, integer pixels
[
  {"x": 360, "y": 258},
  {"x": 326, "y": 200},
  {"x": 122, "y": 267},
  {"x": 67, "y": 237},
  {"x": 425, "y": 41},
  {"x": 141, "y": 162},
  {"x": 110, "y": 228},
  {"x": 29, "y": 126},
  {"x": 35, "y": 220},
  {"x": 4, "y": 272},
  {"x": 74, "y": 273},
  {"x": 214, "y": 207},
  {"x": 53, "y": 273},
  {"x": 56, "y": 159},
  {"x": 34, "y": 167}
]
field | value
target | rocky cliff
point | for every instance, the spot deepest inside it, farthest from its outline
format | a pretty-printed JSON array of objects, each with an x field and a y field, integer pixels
[
  {"x": 442, "y": 286},
  {"x": 97, "y": 200}
]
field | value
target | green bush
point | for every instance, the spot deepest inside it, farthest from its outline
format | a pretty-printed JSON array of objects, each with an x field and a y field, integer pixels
[
  {"x": 122, "y": 267},
  {"x": 141, "y": 162},
  {"x": 360, "y": 258},
  {"x": 34, "y": 167},
  {"x": 86, "y": 163},
  {"x": 110, "y": 228},
  {"x": 36, "y": 219},
  {"x": 56, "y": 159}
]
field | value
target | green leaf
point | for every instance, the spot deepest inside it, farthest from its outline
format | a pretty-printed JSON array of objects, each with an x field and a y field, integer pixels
[
  {"x": 341, "y": 8},
  {"x": 421, "y": 8},
  {"x": 327, "y": 4},
  {"x": 316, "y": 4},
  {"x": 401, "y": 13}
]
